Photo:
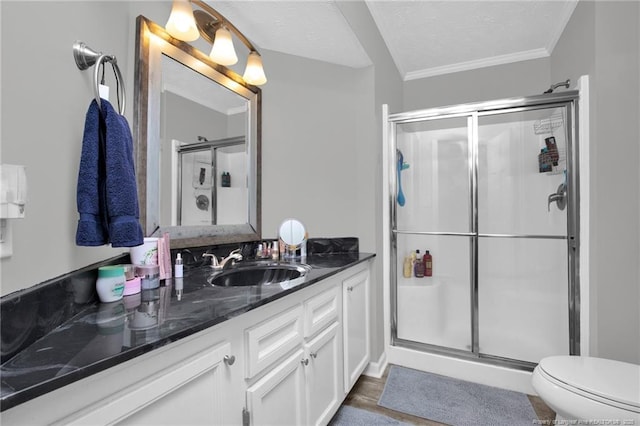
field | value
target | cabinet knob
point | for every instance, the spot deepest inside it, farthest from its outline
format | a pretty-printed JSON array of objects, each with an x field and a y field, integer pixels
[
  {"x": 349, "y": 288},
  {"x": 305, "y": 361},
  {"x": 313, "y": 355},
  {"x": 229, "y": 359}
]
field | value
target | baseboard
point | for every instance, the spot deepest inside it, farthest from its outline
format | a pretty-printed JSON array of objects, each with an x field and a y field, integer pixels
[{"x": 376, "y": 369}]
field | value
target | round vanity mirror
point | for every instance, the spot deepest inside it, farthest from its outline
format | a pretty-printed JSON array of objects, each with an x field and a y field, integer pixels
[{"x": 292, "y": 232}]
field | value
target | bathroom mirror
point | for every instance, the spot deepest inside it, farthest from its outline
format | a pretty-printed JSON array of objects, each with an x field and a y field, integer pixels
[
  {"x": 293, "y": 240},
  {"x": 182, "y": 101}
]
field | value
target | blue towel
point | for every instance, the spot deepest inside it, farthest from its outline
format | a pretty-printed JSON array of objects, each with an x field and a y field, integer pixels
[{"x": 107, "y": 194}]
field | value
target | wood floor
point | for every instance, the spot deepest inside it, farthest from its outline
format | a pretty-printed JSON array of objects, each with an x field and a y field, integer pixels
[{"x": 367, "y": 390}]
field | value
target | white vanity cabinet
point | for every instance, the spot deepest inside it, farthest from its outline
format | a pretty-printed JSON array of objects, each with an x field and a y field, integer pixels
[
  {"x": 289, "y": 362},
  {"x": 323, "y": 376},
  {"x": 197, "y": 392},
  {"x": 355, "y": 299},
  {"x": 194, "y": 381},
  {"x": 294, "y": 361}
]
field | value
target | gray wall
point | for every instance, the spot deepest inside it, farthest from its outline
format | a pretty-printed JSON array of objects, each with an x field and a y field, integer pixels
[
  {"x": 44, "y": 101},
  {"x": 602, "y": 39},
  {"x": 380, "y": 84}
]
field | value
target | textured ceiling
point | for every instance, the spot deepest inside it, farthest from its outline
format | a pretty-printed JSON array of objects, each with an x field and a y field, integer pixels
[
  {"x": 424, "y": 37},
  {"x": 435, "y": 37},
  {"x": 308, "y": 28}
]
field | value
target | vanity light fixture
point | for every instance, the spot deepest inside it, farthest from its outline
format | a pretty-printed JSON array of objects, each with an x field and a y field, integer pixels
[
  {"x": 222, "y": 50},
  {"x": 217, "y": 30},
  {"x": 254, "y": 73},
  {"x": 181, "y": 24}
]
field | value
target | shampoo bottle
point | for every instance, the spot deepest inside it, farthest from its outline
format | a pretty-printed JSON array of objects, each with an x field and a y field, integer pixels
[
  {"x": 428, "y": 264},
  {"x": 418, "y": 266}
]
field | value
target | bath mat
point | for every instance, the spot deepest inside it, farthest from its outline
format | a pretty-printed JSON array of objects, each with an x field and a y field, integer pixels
[
  {"x": 453, "y": 401},
  {"x": 351, "y": 416}
]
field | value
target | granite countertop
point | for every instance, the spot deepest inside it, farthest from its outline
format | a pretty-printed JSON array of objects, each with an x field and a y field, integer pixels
[{"x": 101, "y": 335}]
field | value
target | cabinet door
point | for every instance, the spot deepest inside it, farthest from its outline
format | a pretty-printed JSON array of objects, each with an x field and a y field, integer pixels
[
  {"x": 194, "y": 393},
  {"x": 355, "y": 303},
  {"x": 270, "y": 340},
  {"x": 321, "y": 310},
  {"x": 323, "y": 376},
  {"x": 277, "y": 398}
]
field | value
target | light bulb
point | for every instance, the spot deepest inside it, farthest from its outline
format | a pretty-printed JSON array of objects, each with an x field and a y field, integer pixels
[
  {"x": 181, "y": 24},
  {"x": 222, "y": 51},
  {"x": 254, "y": 72}
]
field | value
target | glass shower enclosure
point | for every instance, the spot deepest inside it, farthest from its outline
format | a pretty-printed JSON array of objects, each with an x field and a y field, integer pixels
[{"x": 490, "y": 190}]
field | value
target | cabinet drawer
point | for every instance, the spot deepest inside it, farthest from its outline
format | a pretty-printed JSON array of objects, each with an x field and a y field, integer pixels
[
  {"x": 320, "y": 311},
  {"x": 272, "y": 339}
]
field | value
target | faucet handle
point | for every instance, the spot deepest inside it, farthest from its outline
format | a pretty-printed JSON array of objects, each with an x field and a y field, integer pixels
[
  {"x": 214, "y": 259},
  {"x": 559, "y": 197}
]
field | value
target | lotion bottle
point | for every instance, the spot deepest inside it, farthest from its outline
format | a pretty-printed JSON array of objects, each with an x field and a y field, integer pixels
[{"x": 110, "y": 283}]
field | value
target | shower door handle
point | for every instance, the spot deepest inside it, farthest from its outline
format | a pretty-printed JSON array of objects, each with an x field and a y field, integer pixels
[{"x": 559, "y": 197}]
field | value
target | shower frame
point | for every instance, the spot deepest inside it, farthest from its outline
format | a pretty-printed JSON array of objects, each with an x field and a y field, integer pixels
[{"x": 473, "y": 111}]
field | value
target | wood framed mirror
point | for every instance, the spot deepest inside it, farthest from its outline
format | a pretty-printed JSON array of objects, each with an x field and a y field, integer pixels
[{"x": 184, "y": 100}]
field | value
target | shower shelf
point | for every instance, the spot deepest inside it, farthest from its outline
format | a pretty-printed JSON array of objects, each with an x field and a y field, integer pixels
[
  {"x": 548, "y": 125},
  {"x": 562, "y": 163}
]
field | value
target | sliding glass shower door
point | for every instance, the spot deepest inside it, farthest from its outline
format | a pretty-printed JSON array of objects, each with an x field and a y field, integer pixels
[
  {"x": 434, "y": 179},
  {"x": 522, "y": 234},
  {"x": 487, "y": 190}
]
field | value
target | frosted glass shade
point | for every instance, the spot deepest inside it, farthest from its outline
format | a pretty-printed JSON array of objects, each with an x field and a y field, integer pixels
[
  {"x": 222, "y": 51},
  {"x": 254, "y": 73},
  {"x": 181, "y": 24}
]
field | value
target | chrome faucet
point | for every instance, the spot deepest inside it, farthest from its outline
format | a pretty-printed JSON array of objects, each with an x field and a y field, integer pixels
[{"x": 234, "y": 256}]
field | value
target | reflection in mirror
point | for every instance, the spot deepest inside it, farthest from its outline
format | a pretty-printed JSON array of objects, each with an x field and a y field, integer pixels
[
  {"x": 198, "y": 144},
  {"x": 211, "y": 182}
]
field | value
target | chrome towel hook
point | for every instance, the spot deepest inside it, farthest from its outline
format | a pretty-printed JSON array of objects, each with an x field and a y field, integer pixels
[{"x": 85, "y": 57}]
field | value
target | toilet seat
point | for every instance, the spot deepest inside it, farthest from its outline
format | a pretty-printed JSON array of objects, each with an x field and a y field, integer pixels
[{"x": 610, "y": 382}]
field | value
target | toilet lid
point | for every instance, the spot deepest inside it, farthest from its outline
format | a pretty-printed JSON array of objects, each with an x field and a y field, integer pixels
[{"x": 614, "y": 380}]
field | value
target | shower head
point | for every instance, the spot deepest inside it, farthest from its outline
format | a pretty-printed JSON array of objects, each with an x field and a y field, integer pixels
[{"x": 555, "y": 86}]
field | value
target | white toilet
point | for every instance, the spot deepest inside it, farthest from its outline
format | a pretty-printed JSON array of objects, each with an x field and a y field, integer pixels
[{"x": 593, "y": 389}]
